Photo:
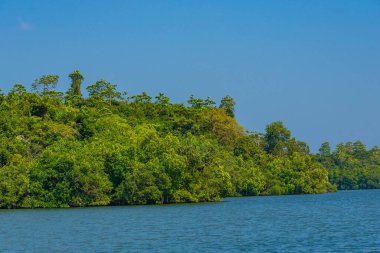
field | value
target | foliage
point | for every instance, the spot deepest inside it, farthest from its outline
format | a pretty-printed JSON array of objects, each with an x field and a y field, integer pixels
[
  {"x": 105, "y": 150},
  {"x": 351, "y": 166},
  {"x": 74, "y": 94},
  {"x": 228, "y": 104},
  {"x": 103, "y": 90}
]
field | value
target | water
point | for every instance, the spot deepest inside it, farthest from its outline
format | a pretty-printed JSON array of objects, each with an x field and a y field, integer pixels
[{"x": 338, "y": 222}]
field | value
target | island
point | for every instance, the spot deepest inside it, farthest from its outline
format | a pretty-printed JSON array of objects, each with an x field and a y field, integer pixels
[{"x": 67, "y": 150}]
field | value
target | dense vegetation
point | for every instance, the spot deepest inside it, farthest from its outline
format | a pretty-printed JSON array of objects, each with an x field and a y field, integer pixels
[
  {"x": 351, "y": 166},
  {"x": 60, "y": 150}
]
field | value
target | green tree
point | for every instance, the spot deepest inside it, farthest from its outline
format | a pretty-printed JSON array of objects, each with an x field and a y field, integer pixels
[
  {"x": 14, "y": 182},
  {"x": 45, "y": 84},
  {"x": 141, "y": 98},
  {"x": 228, "y": 104},
  {"x": 276, "y": 136},
  {"x": 195, "y": 102},
  {"x": 1, "y": 95},
  {"x": 103, "y": 90},
  {"x": 162, "y": 99},
  {"x": 325, "y": 149},
  {"x": 74, "y": 94},
  {"x": 199, "y": 102},
  {"x": 17, "y": 89},
  {"x": 76, "y": 81}
]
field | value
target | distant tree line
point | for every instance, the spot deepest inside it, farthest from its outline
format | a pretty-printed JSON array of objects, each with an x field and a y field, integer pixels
[{"x": 351, "y": 165}]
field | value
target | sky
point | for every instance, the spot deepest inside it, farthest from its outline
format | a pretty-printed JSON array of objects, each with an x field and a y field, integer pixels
[{"x": 315, "y": 65}]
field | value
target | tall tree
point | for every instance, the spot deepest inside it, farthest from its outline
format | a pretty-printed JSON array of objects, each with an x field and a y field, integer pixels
[
  {"x": 228, "y": 104},
  {"x": 76, "y": 81},
  {"x": 74, "y": 94}
]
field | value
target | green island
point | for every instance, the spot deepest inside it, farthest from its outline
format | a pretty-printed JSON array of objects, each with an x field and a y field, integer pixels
[{"x": 64, "y": 150}]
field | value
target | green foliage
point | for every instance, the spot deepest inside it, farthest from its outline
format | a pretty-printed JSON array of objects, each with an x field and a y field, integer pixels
[
  {"x": 228, "y": 104},
  {"x": 17, "y": 90},
  {"x": 76, "y": 81},
  {"x": 162, "y": 99},
  {"x": 351, "y": 166},
  {"x": 68, "y": 174},
  {"x": 14, "y": 182},
  {"x": 199, "y": 102},
  {"x": 74, "y": 94},
  {"x": 103, "y": 150},
  {"x": 103, "y": 90},
  {"x": 144, "y": 98},
  {"x": 45, "y": 86},
  {"x": 276, "y": 137}
]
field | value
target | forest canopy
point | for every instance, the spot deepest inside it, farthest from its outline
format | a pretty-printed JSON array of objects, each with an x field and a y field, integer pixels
[{"x": 66, "y": 150}]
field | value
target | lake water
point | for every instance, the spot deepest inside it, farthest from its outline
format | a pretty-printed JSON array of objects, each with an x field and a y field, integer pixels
[{"x": 346, "y": 221}]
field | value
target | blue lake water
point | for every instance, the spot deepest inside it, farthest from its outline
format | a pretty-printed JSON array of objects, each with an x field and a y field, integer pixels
[{"x": 347, "y": 221}]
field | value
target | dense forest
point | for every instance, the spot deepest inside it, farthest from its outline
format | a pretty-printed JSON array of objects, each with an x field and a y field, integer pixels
[
  {"x": 66, "y": 150},
  {"x": 351, "y": 166}
]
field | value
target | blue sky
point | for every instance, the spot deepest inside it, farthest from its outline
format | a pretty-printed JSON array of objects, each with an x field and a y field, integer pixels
[{"x": 315, "y": 65}]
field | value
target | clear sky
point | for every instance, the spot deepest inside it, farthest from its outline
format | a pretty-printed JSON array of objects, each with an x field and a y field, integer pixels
[{"x": 315, "y": 65}]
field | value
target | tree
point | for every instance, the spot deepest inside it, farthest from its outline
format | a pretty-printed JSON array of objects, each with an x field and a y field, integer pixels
[
  {"x": 276, "y": 137},
  {"x": 74, "y": 94},
  {"x": 103, "y": 90},
  {"x": 14, "y": 182},
  {"x": 325, "y": 149},
  {"x": 141, "y": 98},
  {"x": 228, "y": 104},
  {"x": 209, "y": 102},
  {"x": 200, "y": 103},
  {"x": 76, "y": 81},
  {"x": 162, "y": 99},
  {"x": 15, "y": 95},
  {"x": 46, "y": 83},
  {"x": 1, "y": 95},
  {"x": 359, "y": 150},
  {"x": 17, "y": 89},
  {"x": 195, "y": 102}
]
